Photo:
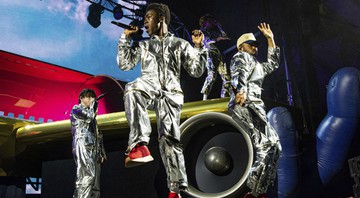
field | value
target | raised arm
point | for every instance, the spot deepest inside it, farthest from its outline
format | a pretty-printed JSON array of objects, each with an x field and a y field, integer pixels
[
  {"x": 266, "y": 31},
  {"x": 195, "y": 58},
  {"x": 87, "y": 114},
  {"x": 273, "y": 55},
  {"x": 127, "y": 56}
]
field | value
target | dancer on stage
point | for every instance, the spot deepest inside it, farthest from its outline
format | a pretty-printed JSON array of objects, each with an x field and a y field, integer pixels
[
  {"x": 214, "y": 34},
  {"x": 248, "y": 109},
  {"x": 87, "y": 147},
  {"x": 158, "y": 88}
]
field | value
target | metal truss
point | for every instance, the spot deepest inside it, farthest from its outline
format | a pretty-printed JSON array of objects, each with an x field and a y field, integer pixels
[
  {"x": 137, "y": 11},
  {"x": 178, "y": 28}
]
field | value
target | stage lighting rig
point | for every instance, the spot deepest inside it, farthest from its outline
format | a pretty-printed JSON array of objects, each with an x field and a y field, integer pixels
[
  {"x": 118, "y": 13},
  {"x": 126, "y": 9},
  {"x": 94, "y": 17},
  {"x": 135, "y": 10}
]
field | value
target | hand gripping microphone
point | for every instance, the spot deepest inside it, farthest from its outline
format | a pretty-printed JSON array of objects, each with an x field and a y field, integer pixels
[{"x": 122, "y": 25}]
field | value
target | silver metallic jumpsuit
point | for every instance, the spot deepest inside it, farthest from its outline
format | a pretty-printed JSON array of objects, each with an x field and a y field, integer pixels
[
  {"x": 247, "y": 74},
  {"x": 159, "y": 89},
  {"x": 216, "y": 63},
  {"x": 87, "y": 149}
]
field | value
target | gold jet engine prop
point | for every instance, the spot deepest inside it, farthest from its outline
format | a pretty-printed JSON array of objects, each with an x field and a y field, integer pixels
[{"x": 218, "y": 153}]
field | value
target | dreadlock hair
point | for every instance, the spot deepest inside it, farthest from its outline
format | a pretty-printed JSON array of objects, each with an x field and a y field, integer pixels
[
  {"x": 161, "y": 10},
  {"x": 87, "y": 93}
]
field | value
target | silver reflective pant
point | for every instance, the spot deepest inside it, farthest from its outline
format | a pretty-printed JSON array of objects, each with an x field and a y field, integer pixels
[
  {"x": 216, "y": 64},
  {"x": 87, "y": 183},
  {"x": 167, "y": 109},
  {"x": 267, "y": 147}
]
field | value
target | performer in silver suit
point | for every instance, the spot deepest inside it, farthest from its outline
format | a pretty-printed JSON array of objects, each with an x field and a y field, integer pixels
[
  {"x": 214, "y": 34},
  {"x": 248, "y": 109},
  {"x": 159, "y": 89},
  {"x": 87, "y": 147}
]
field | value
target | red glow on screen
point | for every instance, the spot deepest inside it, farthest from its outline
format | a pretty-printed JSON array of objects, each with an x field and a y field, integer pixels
[{"x": 39, "y": 91}]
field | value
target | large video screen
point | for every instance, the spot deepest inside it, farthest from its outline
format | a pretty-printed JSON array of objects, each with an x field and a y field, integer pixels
[{"x": 57, "y": 32}]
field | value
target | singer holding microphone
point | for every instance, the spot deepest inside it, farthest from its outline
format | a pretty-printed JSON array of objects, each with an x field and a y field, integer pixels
[
  {"x": 158, "y": 89},
  {"x": 87, "y": 146}
]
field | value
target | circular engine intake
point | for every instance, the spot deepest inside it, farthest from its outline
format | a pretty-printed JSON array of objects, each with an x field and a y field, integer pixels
[{"x": 218, "y": 155}]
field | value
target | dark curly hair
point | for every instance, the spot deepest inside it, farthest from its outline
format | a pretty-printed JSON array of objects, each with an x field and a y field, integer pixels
[
  {"x": 161, "y": 10},
  {"x": 87, "y": 93}
]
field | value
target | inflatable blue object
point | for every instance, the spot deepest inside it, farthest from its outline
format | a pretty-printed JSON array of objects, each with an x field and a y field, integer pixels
[
  {"x": 288, "y": 174},
  {"x": 337, "y": 129}
]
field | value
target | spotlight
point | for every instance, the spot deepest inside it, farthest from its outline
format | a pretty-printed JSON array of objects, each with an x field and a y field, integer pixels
[
  {"x": 118, "y": 13},
  {"x": 94, "y": 17}
]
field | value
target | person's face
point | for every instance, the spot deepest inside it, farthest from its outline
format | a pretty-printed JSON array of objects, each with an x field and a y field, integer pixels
[
  {"x": 86, "y": 101},
  {"x": 249, "y": 48},
  {"x": 152, "y": 23}
]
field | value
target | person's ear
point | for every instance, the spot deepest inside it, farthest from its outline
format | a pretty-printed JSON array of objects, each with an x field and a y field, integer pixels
[
  {"x": 241, "y": 47},
  {"x": 163, "y": 25},
  {"x": 162, "y": 19}
]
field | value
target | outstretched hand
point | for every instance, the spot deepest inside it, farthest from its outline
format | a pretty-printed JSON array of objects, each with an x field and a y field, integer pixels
[
  {"x": 197, "y": 38},
  {"x": 266, "y": 31}
]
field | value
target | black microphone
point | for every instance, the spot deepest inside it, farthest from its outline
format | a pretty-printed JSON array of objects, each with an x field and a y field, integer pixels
[
  {"x": 106, "y": 93},
  {"x": 122, "y": 25},
  {"x": 101, "y": 96}
]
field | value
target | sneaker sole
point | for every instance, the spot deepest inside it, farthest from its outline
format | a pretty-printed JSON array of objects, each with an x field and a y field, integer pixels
[
  {"x": 143, "y": 159},
  {"x": 137, "y": 162}
]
